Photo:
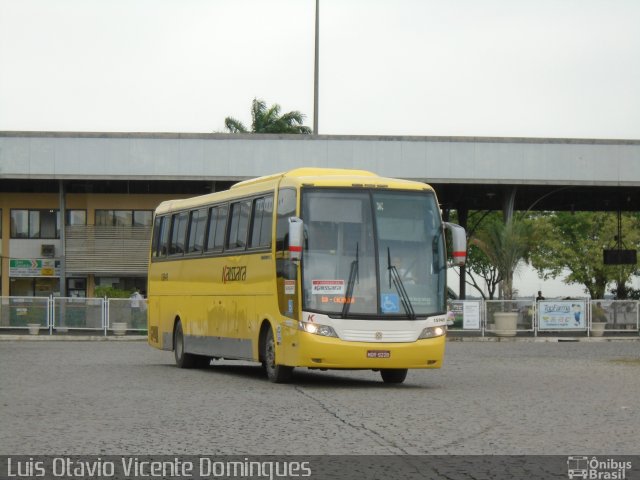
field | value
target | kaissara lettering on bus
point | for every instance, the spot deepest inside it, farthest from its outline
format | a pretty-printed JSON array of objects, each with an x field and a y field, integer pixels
[
  {"x": 323, "y": 287},
  {"x": 234, "y": 274}
]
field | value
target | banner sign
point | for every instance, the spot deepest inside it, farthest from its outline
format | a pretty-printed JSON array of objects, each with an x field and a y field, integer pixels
[
  {"x": 466, "y": 314},
  {"x": 471, "y": 315},
  {"x": 36, "y": 267},
  {"x": 562, "y": 315}
]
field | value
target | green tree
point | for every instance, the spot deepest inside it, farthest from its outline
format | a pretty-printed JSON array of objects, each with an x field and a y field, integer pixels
[
  {"x": 480, "y": 270},
  {"x": 505, "y": 245},
  {"x": 574, "y": 242},
  {"x": 269, "y": 120}
]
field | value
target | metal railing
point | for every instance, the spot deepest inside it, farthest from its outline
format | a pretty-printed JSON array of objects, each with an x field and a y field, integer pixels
[
  {"x": 59, "y": 315},
  {"x": 578, "y": 316},
  {"x": 582, "y": 316}
]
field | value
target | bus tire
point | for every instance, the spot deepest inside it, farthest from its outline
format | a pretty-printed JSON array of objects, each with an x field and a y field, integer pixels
[
  {"x": 183, "y": 359},
  {"x": 275, "y": 373},
  {"x": 393, "y": 375}
]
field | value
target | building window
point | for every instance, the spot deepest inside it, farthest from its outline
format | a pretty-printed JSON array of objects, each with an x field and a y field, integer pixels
[
  {"x": 104, "y": 218},
  {"x": 124, "y": 218},
  {"x": 35, "y": 224},
  {"x": 76, "y": 217},
  {"x": 142, "y": 218}
]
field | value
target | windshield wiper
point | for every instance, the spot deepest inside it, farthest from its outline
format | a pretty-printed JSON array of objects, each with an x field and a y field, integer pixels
[
  {"x": 353, "y": 276},
  {"x": 394, "y": 277}
]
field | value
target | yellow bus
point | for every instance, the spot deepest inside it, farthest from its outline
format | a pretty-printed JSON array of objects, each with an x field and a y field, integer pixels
[{"x": 316, "y": 268}]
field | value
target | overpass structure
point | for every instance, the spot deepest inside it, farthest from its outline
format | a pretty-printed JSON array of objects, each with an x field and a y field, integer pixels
[{"x": 467, "y": 172}]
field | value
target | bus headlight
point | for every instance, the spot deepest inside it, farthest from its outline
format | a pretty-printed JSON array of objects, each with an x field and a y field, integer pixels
[
  {"x": 317, "y": 329},
  {"x": 431, "y": 332}
]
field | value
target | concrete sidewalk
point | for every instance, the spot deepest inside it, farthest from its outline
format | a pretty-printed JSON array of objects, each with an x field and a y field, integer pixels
[
  {"x": 450, "y": 338},
  {"x": 72, "y": 338},
  {"x": 545, "y": 339}
]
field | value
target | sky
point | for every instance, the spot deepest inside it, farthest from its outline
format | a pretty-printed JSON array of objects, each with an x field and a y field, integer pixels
[{"x": 507, "y": 68}]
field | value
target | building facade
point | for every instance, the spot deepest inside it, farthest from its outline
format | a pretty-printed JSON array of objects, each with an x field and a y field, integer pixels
[
  {"x": 76, "y": 208},
  {"x": 103, "y": 242}
]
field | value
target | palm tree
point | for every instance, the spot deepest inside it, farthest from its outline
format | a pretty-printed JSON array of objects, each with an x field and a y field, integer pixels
[
  {"x": 505, "y": 245},
  {"x": 269, "y": 120}
]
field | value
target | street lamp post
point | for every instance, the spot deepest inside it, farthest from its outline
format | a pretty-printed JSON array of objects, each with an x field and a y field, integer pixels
[{"x": 315, "y": 71}]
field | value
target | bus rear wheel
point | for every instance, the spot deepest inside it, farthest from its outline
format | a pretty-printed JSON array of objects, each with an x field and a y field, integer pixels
[
  {"x": 275, "y": 373},
  {"x": 395, "y": 375},
  {"x": 183, "y": 359}
]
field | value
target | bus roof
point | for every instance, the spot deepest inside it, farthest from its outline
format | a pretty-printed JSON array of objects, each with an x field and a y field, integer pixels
[{"x": 324, "y": 177}]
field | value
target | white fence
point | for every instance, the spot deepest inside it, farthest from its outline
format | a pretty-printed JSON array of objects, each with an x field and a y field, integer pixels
[
  {"x": 473, "y": 317},
  {"x": 64, "y": 314},
  {"x": 559, "y": 316}
]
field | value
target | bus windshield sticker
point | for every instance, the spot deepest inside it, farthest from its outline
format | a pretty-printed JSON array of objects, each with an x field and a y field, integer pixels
[
  {"x": 289, "y": 287},
  {"x": 390, "y": 303},
  {"x": 338, "y": 299},
  {"x": 327, "y": 287}
]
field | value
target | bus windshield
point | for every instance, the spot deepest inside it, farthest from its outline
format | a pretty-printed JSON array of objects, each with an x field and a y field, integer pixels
[{"x": 372, "y": 254}]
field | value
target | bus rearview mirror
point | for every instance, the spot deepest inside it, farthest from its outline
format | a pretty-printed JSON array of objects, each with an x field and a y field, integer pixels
[
  {"x": 296, "y": 227},
  {"x": 458, "y": 243}
]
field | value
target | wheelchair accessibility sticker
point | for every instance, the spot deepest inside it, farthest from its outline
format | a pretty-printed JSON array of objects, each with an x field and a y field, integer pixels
[{"x": 390, "y": 303}]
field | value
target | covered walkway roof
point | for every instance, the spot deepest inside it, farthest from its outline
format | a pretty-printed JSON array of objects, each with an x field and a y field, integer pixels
[{"x": 467, "y": 172}]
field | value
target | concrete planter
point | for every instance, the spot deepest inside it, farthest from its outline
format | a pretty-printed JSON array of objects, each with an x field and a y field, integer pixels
[
  {"x": 506, "y": 323},
  {"x": 597, "y": 328},
  {"x": 119, "y": 328},
  {"x": 34, "y": 328}
]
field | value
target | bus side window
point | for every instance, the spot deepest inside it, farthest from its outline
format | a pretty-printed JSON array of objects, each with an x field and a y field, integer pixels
[
  {"x": 238, "y": 225},
  {"x": 286, "y": 208},
  {"x": 217, "y": 227},
  {"x": 178, "y": 233},
  {"x": 285, "y": 268},
  {"x": 163, "y": 247},
  {"x": 261, "y": 222},
  {"x": 197, "y": 224},
  {"x": 155, "y": 239}
]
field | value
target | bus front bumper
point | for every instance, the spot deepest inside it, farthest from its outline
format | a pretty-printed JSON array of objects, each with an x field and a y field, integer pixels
[{"x": 314, "y": 351}]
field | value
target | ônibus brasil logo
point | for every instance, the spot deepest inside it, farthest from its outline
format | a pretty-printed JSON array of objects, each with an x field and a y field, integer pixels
[{"x": 597, "y": 469}]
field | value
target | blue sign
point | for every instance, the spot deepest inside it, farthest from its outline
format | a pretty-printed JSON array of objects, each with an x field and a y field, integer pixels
[
  {"x": 390, "y": 303},
  {"x": 562, "y": 315}
]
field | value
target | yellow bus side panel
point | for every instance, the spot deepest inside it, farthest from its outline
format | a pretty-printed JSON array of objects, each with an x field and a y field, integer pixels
[{"x": 207, "y": 303}]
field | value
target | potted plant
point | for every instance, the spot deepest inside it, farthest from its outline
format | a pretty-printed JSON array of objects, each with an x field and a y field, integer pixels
[
  {"x": 506, "y": 244},
  {"x": 119, "y": 328},
  {"x": 34, "y": 328},
  {"x": 598, "y": 320}
]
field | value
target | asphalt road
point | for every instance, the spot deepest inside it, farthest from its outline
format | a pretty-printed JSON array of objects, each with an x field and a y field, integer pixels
[{"x": 120, "y": 398}]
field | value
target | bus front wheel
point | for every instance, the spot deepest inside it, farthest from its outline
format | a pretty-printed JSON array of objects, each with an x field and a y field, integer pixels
[
  {"x": 183, "y": 359},
  {"x": 395, "y": 375},
  {"x": 275, "y": 373}
]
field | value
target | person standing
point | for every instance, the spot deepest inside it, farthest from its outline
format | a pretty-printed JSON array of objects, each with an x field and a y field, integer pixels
[{"x": 137, "y": 309}]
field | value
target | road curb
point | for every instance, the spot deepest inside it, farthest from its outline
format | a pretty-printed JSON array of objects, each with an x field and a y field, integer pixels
[
  {"x": 72, "y": 338},
  {"x": 544, "y": 339},
  {"x": 141, "y": 338}
]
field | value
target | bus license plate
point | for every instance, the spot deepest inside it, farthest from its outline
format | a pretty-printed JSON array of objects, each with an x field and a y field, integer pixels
[{"x": 378, "y": 354}]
